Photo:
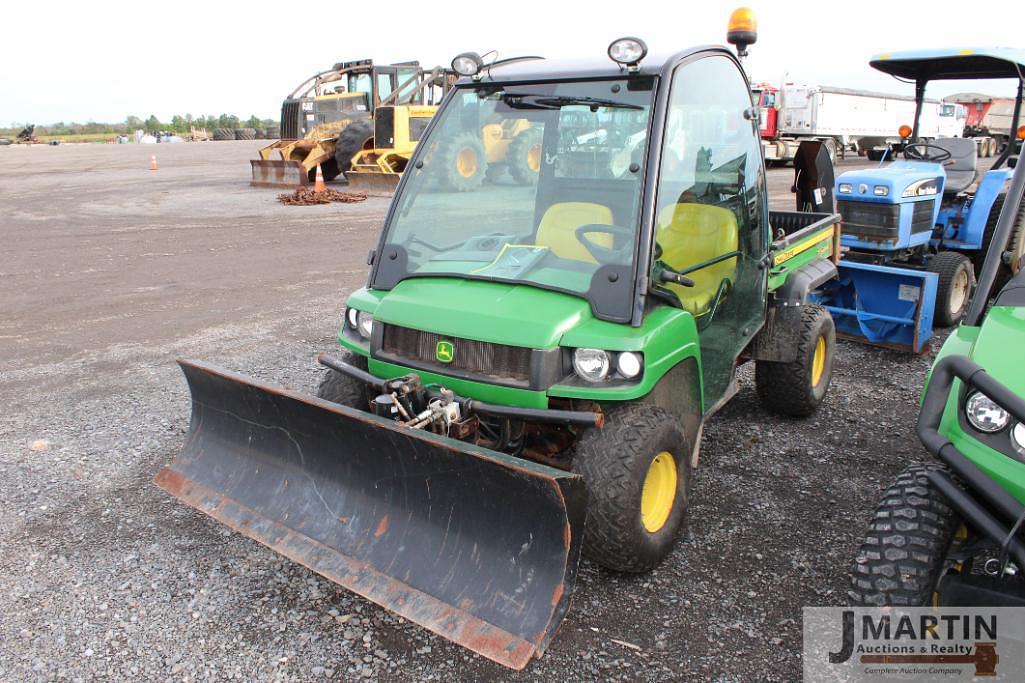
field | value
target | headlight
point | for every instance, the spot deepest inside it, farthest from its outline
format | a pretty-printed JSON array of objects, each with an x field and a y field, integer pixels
[
  {"x": 846, "y": 188},
  {"x": 984, "y": 414},
  {"x": 881, "y": 191},
  {"x": 351, "y": 316},
  {"x": 467, "y": 64},
  {"x": 627, "y": 51},
  {"x": 591, "y": 364},
  {"x": 921, "y": 188},
  {"x": 365, "y": 324},
  {"x": 1018, "y": 438},
  {"x": 629, "y": 364}
]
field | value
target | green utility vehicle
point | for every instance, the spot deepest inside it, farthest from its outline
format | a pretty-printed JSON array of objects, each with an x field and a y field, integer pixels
[
  {"x": 528, "y": 369},
  {"x": 949, "y": 533}
]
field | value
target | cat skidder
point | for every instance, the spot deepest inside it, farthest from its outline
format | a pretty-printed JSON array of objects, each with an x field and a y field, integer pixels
[{"x": 527, "y": 372}]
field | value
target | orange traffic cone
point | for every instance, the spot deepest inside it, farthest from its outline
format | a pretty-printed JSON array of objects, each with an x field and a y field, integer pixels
[
  {"x": 318, "y": 183},
  {"x": 153, "y": 163}
]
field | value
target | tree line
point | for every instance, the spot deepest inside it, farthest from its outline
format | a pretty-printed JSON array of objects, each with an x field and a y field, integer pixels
[{"x": 177, "y": 124}]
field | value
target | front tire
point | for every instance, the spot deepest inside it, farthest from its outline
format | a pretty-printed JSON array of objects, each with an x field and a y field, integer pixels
[
  {"x": 797, "y": 388},
  {"x": 524, "y": 157},
  {"x": 463, "y": 163},
  {"x": 638, "y": 481},
  {"x": 954, "y": 290},
  {"x": 904, "y": 552},
  {"x": 342, "y": 389}
]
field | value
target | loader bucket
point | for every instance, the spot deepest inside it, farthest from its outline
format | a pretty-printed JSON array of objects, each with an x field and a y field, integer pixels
[
  {"x": 883, "y": 305},
  {"x": 373, "y": 183},
  {"x": 283, "y": 173},
  {"x": 477, "y": 546}
]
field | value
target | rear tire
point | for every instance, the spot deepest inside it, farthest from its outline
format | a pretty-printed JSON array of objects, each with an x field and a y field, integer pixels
[
  {"x": 524, "y": 157},
  {"x": 903, "y": 555},
  {"x": 797, "y": 388},
  {"x": 1015, "y": 244},
  {"x": 342, "y": 389},
  {"x": 627, "y": 528},
  {"x": 954, "y": 290},
  {"x": 462, "y": 163},
  {"x": 350, "y": 141}
]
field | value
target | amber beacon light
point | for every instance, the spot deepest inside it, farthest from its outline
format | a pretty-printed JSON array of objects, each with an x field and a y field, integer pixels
[{"x": 742, "y": 30}]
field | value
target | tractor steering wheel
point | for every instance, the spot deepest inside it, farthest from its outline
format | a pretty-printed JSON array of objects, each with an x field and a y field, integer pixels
[
  {"x": 603, "y": 254},
  {"x": 920, "y": 151}
]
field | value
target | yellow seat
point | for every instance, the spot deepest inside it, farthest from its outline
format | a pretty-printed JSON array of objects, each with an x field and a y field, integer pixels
[
  {"x": 559, "y": 226},
  {"x": 690, "y": 234}
]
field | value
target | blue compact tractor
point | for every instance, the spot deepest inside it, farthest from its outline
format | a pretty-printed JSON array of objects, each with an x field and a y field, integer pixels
[{"x": 916, "y": 229}]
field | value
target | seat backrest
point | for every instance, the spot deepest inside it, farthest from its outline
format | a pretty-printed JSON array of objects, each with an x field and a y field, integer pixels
[
  {"x": 962, "y": 167},
  {"x": 690, "y": 234},
  {"x": 559, "y": 225}
]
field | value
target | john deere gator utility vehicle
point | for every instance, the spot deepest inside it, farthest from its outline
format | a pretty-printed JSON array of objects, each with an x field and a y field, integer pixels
[
  {"x": 528, "y": 369},
  {"x": 950, "y": 532},
  {"x": 917, "y": 229},
  {"x": 328, "y": 118}
]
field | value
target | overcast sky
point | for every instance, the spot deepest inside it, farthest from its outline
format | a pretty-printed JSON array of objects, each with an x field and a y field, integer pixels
[{"x": 103, "y": 60}]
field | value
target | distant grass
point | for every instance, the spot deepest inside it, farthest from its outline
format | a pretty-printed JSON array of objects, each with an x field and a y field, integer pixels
[{"x": 81, "y": 137}]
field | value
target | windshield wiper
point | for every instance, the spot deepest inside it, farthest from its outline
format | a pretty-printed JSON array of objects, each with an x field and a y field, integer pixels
[{"x": 515, "y": 100}]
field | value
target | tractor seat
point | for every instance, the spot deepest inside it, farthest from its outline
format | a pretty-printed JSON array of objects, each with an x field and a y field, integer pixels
[
  {"x": 559, "y": 227},
  {"x": 690, "y": 234},
  {"x": 962, "y": 167}
]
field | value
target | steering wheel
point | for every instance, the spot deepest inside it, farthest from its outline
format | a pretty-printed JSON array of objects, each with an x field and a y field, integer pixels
[
  {"x": 603, "y": 254},
  {"x": 919, "y": 151}
]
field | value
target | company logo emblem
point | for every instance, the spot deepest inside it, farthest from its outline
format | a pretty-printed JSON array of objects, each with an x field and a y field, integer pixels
[{"x": 445, "y": 351}]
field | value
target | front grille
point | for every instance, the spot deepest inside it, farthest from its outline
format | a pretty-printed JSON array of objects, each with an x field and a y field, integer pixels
[
  {"x": 290, "y": 120},
  {"x": 921, "y": 216},
  {"x": 470, "y": 356},
  {"x": 867, "y": 221},
  {"x": 881, "y": 222}
]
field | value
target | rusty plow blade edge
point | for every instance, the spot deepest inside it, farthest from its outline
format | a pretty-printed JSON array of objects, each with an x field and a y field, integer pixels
[
  {"x": 475, "y": 545},
  {"x": 381, "y": 184},
  {"x": 286, "y": 174}
]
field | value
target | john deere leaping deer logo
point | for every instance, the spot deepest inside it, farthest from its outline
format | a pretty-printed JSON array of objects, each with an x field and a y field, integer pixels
[{"x": 445, "y": 351}]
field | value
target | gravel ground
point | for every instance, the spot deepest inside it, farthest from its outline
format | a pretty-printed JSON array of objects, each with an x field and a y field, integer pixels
[{"x": 103, "y": 576}]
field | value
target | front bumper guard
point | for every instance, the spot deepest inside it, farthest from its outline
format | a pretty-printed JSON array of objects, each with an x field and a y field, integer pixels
[{"x": 979, "y": 486}]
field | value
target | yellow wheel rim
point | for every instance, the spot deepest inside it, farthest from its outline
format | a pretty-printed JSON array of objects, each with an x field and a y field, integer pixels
[
  {"x": 959, "y": 293},
  {"x": 466, "y": 162},
  {"x": 818, "y": 362},
  {"x": 659, "y": 492},
  {"x": 534, "y": 158}
]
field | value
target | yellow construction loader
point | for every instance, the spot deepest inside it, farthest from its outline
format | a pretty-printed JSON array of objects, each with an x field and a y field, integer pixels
[{"x": 328, "y": 118}]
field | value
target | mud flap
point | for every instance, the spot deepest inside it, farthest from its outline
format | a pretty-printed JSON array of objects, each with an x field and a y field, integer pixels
[
  {"x": 477, "y": 546},
  {"x": 287, "y": 174},
  {"x": 882, "y": 305}
]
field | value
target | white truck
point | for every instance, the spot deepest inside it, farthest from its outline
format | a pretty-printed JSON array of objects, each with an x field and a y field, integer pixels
[{"x": 858, "y": 120}]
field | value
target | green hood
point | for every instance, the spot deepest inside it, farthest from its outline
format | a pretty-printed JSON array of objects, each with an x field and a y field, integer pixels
[
  {"x": 1000, "y": 346},
  {"x": 502, "y": 313}
]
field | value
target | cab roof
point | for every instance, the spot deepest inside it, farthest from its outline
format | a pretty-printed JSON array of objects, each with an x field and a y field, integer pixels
[
  {"x": 952, "y": 63},
  {"x": 586, "y": 68}
]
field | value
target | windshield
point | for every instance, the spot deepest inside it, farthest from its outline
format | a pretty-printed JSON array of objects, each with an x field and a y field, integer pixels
[{"x": 537, "y": 183}]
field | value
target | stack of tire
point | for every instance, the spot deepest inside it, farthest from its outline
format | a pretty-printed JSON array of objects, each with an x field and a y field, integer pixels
[
  {"x": 272, "y": 133},
  {"x": 224, "y": 133},
  {"x": 245, "y": 133}
]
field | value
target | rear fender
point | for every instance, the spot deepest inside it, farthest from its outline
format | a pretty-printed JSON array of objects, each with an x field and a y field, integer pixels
[{"x": 974, "y": 227}]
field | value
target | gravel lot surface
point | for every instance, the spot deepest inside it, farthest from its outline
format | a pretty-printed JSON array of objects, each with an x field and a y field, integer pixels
[{"x": 110, "y": 271}]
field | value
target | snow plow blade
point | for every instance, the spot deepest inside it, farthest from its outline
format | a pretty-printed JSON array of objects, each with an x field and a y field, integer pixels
[
  {"x": 477, "y": 546},
  {"x": 286, "y": 174},
  {"x": 381, "y": 184}
]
